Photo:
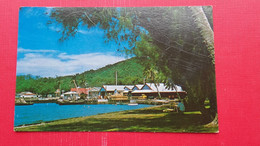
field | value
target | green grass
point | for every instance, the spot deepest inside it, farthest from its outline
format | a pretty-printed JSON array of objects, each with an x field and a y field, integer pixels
[{"x": 143, "y": 120}]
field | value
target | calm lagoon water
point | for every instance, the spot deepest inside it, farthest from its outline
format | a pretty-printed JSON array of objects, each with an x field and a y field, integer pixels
[{"x": 36, "y": 113}]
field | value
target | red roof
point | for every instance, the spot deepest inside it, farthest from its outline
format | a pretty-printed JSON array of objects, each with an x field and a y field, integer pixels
[{"x": 80, "y": 90}]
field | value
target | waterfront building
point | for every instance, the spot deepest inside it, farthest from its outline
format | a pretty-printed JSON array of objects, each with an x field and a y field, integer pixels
[
  {"x": 142, "y": 91},
  {"x": 94, "y": 92},
  {"x": 27, "y": 95},
  {"x": 80, "y": 90},
  {"x": 151, "y": 91},
  {"x": 70, "y": 95},
  {"x": 108, "y": 90}
]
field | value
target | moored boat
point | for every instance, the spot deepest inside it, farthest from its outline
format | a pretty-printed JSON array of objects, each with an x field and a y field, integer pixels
[{"x": 133, "y": 103}]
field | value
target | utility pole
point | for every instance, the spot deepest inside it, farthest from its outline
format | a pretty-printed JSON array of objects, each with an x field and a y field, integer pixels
[
  {"x": 116, "y": 78},
  {"x": 60, "y": 89}
]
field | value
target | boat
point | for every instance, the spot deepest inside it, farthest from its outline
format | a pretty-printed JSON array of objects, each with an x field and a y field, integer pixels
[
  {"x": 71, "y": 102},
  {"x": 133, "y": 103},
  {"x": 120, "y": 103},
  {"x": 102, "y": 100}
]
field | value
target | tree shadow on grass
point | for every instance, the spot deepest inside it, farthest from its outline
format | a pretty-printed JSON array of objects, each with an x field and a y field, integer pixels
[{"x": 168, "y": 122}]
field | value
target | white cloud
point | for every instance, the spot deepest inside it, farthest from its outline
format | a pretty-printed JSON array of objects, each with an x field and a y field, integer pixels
[
  {"x": 82, "y": 31},
  {"x": 22, "y": 50},
  {"x": 90, "y": 31},
  {"x": 53, "y": 28},
  {"x": 63, "y": 64}
]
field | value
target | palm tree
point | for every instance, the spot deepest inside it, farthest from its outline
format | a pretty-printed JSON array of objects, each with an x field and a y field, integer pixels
[{"x": 152, "y": 74}]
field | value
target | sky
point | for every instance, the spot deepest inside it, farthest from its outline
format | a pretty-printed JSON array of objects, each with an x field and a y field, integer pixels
[{"x": 41, "y": 54}]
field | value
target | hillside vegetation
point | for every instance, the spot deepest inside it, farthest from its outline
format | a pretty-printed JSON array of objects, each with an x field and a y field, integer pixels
[{"x": 128, "y": 72}]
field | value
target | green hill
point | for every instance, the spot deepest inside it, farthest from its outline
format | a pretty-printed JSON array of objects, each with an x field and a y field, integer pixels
[{"x": 128, "y": 72}]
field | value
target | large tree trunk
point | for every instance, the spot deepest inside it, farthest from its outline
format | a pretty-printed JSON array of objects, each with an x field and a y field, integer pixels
[
  {"x": 209, "y": 114},
  {"x": 206, "y": 32}
]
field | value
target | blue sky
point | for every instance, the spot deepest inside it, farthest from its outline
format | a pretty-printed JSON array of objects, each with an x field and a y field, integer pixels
[{"x": 41, "y": 53}]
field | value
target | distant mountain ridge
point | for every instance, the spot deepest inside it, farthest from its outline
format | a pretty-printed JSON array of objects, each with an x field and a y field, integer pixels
[{"x": 128, "y": 72}]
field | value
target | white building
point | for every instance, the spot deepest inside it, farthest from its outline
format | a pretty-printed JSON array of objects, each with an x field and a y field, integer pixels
[
  {"x": 27, "y": 95},
  {"x": 70, "y": 95}
]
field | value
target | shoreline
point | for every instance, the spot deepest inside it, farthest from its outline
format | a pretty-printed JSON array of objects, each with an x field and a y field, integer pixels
[
  {"x": 45, "y": 122},
  {"x": 91, "y": 102}
]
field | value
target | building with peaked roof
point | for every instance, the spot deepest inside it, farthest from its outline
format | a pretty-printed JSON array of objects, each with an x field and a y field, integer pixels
[
  {"x": 129, "y": 87},
  {"x": 80, "y": 90},
  {"x": 161, "y": 87},
  {"x": 107, "y": 90},
  {"x": 137, "y": 87},
  {"x": 151, "y": 91},
  {"x": 94, "y": 92},
  {"x": 71, "y": 95}
]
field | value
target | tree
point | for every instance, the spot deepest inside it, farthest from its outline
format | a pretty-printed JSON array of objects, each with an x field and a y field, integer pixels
[
  {"x": 206, "y": 31},
  {"x": 207, "y": 34},
  {"x": 176, "y": 41}
]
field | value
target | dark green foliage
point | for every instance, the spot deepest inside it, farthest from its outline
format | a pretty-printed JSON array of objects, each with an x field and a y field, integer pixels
[{"x": 129, "y": 72}]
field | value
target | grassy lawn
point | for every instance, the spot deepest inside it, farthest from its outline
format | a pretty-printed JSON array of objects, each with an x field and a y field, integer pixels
[{"x": 150, "y": 119}]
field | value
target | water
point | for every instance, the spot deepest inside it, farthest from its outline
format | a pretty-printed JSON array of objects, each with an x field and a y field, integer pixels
[{"x": 37, "y": 113}]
